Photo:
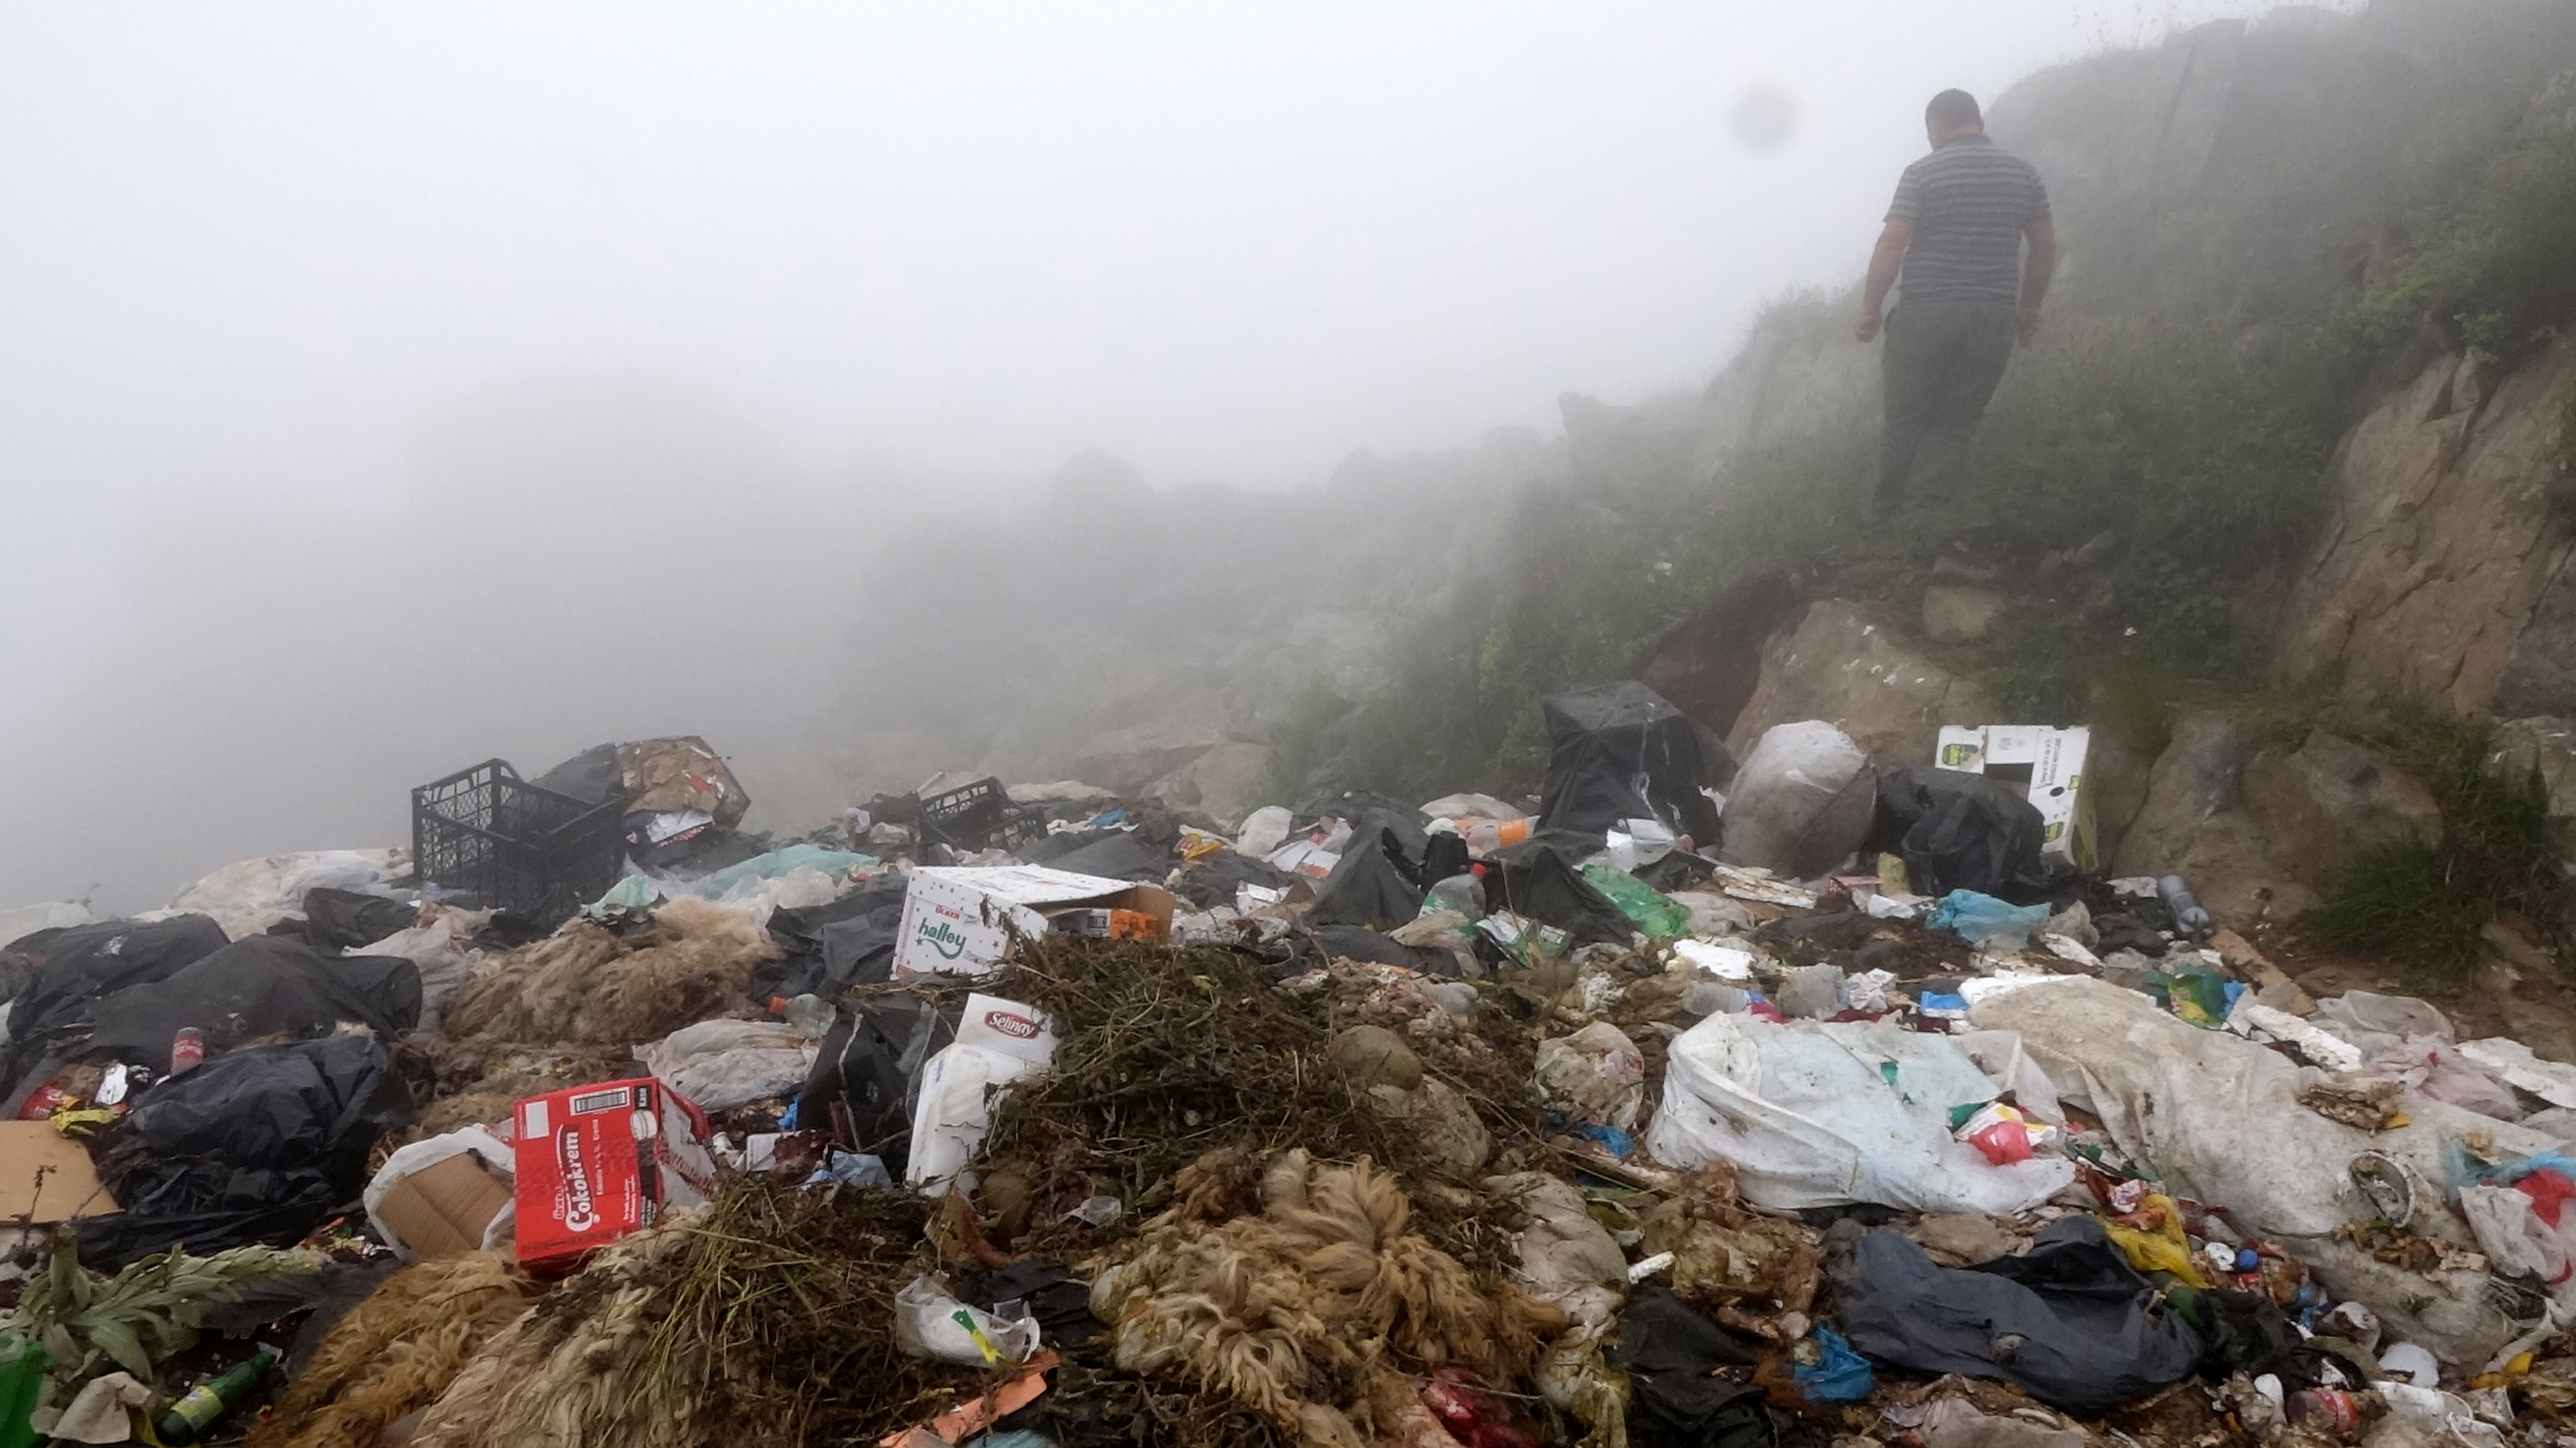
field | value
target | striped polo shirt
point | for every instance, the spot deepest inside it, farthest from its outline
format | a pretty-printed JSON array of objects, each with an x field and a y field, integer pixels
[{"x": 1968, "y": 201}]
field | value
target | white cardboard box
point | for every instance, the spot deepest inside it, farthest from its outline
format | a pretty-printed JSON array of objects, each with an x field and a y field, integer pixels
[
  {"x": 2052, "y": 759},
  {"x": 959, "y": 921}
]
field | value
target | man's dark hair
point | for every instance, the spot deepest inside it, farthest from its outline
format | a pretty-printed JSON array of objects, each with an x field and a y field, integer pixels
[{"x": 1953, "y": 108}]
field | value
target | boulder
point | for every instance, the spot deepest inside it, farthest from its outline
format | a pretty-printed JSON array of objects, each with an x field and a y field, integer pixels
[
  {"x": 1959, "y": 613},
  {"x": 2546, "y": 743},
  {"x": 2193, "y": 824},
  {"x": 1129, "y": 761},
  {"x": 1222, "y": 784},
  {"x": 1840, "y": 666},
  {"x": 2443, "y": 572},
  {"x": 2330, "y": 793}
]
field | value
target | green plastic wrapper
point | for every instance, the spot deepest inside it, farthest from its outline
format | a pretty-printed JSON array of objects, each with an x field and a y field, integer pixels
[{"x": 1660, "y": 916}]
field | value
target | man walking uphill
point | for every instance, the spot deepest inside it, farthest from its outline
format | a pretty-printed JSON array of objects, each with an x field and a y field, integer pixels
[{"x": 1956, "y": 229}]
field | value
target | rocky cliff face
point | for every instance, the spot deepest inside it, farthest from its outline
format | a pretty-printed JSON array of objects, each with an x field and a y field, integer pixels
[{"x": 2443, "y": 570}]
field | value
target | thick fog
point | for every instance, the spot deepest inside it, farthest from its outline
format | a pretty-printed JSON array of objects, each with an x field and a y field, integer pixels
[{"x": 387, "y": 388}]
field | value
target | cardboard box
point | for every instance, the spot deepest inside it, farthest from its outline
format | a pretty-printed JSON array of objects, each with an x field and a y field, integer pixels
[
  {"x": 45, "y": 1176},
  {"x": 444, "y": 1209},
  {"x": 598, "y": 1162},
  {"x": 2049, "y": 763},
  {"x": 959, "y": 921}
]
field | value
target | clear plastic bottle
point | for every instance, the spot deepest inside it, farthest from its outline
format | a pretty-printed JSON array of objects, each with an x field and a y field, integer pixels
[
  {"x": 1486, "y": 835},
  {"x": 1462, "y": 893},
  {"x": 808, "y": 1013}
]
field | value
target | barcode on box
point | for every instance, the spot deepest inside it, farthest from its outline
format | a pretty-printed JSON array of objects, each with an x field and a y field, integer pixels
[{"x": 589, "y": 1102}]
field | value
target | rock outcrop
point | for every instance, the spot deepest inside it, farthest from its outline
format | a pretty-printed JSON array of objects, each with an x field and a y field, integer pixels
[
  {"x": 2259, "y": 830},
  {"x": 1840, "y": 666},
  {"x": 2443, "y": 571}
]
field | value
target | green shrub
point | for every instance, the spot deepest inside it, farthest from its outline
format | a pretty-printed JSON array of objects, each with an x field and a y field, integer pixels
[
  {"x": 2501, "y": 851},
  {"x": 1298, "y": 745}
]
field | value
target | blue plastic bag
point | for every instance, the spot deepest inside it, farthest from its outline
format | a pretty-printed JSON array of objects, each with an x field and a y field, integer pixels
[
  {"x": 1985, "y": 920},
  {"x": 1840, "y": 1375}
]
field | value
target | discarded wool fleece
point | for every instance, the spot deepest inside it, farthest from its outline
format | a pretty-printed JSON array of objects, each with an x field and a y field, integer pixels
[
  {"x": 569, "y": 1376},
  {"x": 394, "y": 1353},
  {"x": 1320, "y": 1312},
  {"x": 588, "y": 983},
  {"x": 2219, "y": 1120}
]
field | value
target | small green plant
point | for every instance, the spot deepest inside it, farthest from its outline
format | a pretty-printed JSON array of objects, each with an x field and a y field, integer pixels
[
  {"x": 2034, "y": 680},
  {"x": 2173, "y": 604},
  {"x": 2501, "y": 851}
]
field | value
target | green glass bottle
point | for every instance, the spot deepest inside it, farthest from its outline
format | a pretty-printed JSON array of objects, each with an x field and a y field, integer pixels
[{"x": 202, "y": 1406}]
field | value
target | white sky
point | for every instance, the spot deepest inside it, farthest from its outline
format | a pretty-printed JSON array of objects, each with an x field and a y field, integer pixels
[{"x": 248, "y": 251}]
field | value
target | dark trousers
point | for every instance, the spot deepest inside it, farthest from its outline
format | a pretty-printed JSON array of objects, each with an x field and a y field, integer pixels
[{"x": 1941, "y": 364}]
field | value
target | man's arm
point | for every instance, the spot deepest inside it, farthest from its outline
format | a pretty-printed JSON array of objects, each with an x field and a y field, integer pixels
[
  {"x": 1883, "y": 265},
  {"x": 2035, "y": 275}
]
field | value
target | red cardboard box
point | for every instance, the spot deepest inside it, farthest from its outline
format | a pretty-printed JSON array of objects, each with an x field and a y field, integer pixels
[{"x": 597, "y": 1162}]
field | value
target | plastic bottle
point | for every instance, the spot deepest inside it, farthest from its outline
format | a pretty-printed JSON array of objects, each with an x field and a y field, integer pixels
[
  {"x": 2332, "y": 1411},
  {"x": 203, "y": 1405},
  {"x": 1462, "y": 893},
  {"x": 2192, "y": 921},
  {"x": 807, "y": 1013},
  {"x": 1486, "y": 835}
]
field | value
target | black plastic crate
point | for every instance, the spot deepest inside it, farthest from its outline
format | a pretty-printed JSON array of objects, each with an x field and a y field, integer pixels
[
  {"x": 487, "y": 833},
  {"x": 979, "y": 816}
]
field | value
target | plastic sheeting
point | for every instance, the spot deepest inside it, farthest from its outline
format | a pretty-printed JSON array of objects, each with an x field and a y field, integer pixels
[
  {"x": 1817, "y": 1115},
  {"x": 1535, "y": 880},
  {"x": 2218, "y": 1119},
  {"x": 264, "y": 987},
  {"x": 248, "y": 896},
  {"x": 1801, "y": 803},
  {"x": 2070, "y": 1323},
  {"x": 1621, "y": 751}
]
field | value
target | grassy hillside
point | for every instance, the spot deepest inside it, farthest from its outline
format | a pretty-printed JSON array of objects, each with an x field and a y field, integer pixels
[{"x": 2366, "y": 192}]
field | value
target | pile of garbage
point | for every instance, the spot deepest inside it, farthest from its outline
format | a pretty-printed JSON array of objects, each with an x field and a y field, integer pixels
[{"x": 1697, "y": 1103}]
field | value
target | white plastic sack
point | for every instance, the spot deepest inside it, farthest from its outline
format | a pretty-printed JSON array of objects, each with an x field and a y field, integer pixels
[
  {"x": 2551, "y": 1081},
  {"x": 26, "y": 920},
  {"x": 801, "y": 888},
  {"x": 438, "y": 947},
  {"x": 1597, "y": 1076},
  {"x": 1816, "y": 1114},
  {"x": 2217, "y": 1117},
  {"x": 926, "y": 1325},
  {"x": 1802, "y": 802},
  {"x": 998, "y": 1042},
  {"x": 420, "y": 1156},
  {"x": 724, "y": 1064},
  {"x": 1264, "y": 831},
  {"x": 2000, "y": 1056},
  {"x": 248, "y": 896},
  {"x": 2516, "y": 1240}
]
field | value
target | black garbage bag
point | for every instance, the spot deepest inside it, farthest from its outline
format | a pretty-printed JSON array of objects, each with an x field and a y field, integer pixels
[
  {"x": 2246, "y": 1332},
  {"x": 1961, "y": 831},
  {"x": 825, "y": 949},
  {"x": 1621, "y": 752},
  {"x": 1535, "y": 879},
  {"x": 1117, "y": 855},
  {"x": 2071, "y": 1323},
  {"x": 1375, "y": 885},
  {"x": 304, "y": 1104},
  {"x": 1057, "y": 1299},
  {"x": 1671, "y": 1352},
  {"x": 89, "y": 961},
  {"x": 256, "y": 1145},
  {"x": 205, "y": 1207},
  {"x": 593, "y": 776},
  {"x": 346, "y": 920},
  {"x": 1213, "y": 881},
  {"x": 82, "y": 964},
  {"x": 1311, "y": 947},
  {"x": 866, "y": 1078},
  {"x": 260, "y": 988}
]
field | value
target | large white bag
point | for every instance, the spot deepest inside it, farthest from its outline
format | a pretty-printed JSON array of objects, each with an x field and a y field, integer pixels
[
  {"x": 1803, "y": 800},
  {"x": 998, "y": 1042},
  {"x": 1816, "y": 1115}
]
